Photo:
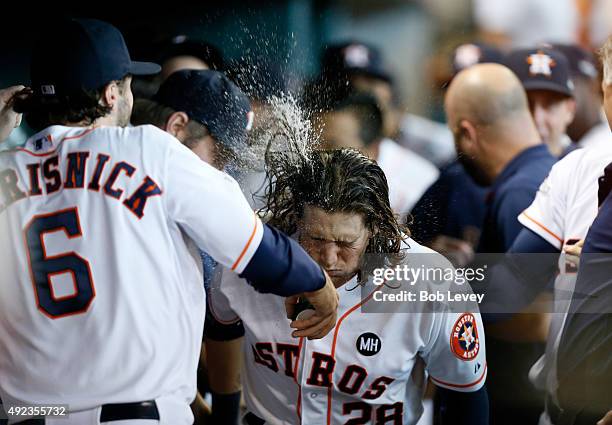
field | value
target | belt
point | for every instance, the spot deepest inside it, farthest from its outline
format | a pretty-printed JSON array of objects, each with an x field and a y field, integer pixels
[
  {"x": 117, "y": 412},
  {"x": 251, "y": 419}
]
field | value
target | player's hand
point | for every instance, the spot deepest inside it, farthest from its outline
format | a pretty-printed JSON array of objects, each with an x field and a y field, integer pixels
[
  {"x": 606, "y": 420},
  {"x": 459, "y": 252},
  {"x": 9, "y": 119},
  {"x": 572, "y": 253},
  {"x": 325, "y": 303}
]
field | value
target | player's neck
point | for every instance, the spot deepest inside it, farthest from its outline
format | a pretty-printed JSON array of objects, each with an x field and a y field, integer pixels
[
  {"x": 101, "y": 122},
  {"x": 106, "y": 121}
]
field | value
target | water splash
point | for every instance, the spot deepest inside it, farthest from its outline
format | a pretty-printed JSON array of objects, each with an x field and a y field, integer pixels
[
  {"x": 282, "y": 128},
  {"x": 280, "y": 144}
]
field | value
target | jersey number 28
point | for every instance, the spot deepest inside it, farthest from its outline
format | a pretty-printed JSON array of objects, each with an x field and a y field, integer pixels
[{"x": 43, "y": 267}]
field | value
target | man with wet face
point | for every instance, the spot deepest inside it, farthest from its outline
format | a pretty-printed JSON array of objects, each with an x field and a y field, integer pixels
[{"x": 336, "y": 204}]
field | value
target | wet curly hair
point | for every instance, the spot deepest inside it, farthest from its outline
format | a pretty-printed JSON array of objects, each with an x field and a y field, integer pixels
[{"x": 339, "y": 180}]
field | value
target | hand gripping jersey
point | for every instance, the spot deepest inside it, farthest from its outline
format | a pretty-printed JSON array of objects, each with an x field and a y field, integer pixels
[
  {"x": 563, "y": 210},
  {"x": 371, "y": 369},
  {"x": 101, "y": 297}
]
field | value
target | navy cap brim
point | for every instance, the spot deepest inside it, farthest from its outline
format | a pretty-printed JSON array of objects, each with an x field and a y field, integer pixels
[
  {"x": 144, "y": 68},
  {"x": 547, "y": 85}
]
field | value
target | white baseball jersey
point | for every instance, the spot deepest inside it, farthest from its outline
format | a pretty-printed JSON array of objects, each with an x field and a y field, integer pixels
[
  {"x": 564, "y": 208},
  {"x": 408, "y": 175},
  {"x": 101, "y": 296},
  {"x": 371, "y": 368}
]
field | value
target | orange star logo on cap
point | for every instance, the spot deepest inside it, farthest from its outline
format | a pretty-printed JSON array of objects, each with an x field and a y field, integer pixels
[{"x": 540, "y": 64}]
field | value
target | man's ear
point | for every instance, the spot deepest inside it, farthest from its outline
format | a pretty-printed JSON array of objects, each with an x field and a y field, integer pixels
[
  {"x": 176, "y": 124},
  {"x": 111, "y": 94},
  {"x": 469, "y": 135}
]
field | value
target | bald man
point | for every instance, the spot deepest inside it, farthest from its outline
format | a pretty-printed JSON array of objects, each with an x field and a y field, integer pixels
[{"x": 499, "y": 146}]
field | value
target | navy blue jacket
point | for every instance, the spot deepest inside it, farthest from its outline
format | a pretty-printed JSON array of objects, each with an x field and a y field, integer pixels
[{"x": 511, "y": 193}]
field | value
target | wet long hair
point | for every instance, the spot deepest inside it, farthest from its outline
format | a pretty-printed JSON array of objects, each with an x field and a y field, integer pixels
[{"x": 339, "y": 180}]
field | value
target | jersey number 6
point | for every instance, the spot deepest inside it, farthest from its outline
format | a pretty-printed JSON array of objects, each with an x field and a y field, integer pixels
[{"x": 43, "y": 267}]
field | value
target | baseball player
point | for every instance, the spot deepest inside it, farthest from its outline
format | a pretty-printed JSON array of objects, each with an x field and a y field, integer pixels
[
  {"x": 373, "y": 367},
  {"x": 101, "y": 298},
  {"x": 561, "y": 214},
  {"x": 581, "y": 398}
]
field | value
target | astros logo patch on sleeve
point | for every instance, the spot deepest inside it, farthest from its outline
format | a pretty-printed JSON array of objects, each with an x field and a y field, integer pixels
[{"x": 464, "y": 338}]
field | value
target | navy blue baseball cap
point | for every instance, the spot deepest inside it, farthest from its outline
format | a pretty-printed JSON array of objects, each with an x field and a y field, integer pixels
[
  {"x": 211, "y": 99},
  {"x": 354, "y": 57},
  {"x": 541, "y": 69},
  {"x": 82, "y": 54}
]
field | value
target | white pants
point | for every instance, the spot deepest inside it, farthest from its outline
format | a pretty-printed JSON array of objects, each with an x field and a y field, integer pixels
[{"x": 171, "y": 412}]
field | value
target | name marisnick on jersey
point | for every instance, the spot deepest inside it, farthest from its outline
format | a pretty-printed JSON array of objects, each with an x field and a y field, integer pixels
[{"x": 80, "y": 171}]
